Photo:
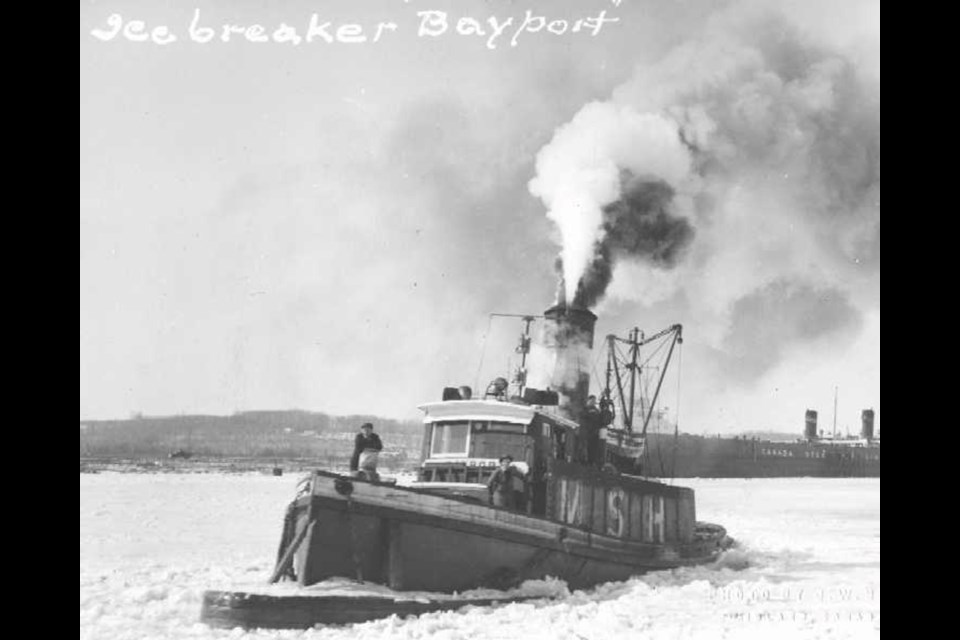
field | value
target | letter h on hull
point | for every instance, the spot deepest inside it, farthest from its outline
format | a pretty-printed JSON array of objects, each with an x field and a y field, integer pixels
[{"x": 653, "y": 518}]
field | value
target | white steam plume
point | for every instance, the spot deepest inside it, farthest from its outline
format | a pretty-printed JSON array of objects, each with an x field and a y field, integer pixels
[{"x": 579, "y": 173}]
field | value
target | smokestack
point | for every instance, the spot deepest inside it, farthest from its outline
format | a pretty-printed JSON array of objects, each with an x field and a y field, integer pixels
[
  {"x": 568, "y": 336},
  {"x": 810, "y": 430},
  {"x": 866, "y": 424}
]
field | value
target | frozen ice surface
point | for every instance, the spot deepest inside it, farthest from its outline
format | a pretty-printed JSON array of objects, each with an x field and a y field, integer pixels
[{"x": 808, "y": 567}]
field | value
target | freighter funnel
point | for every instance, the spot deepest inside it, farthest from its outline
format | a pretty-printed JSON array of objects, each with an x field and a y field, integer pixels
[
  {"x": 866, "y": 426},
  {"x": 810, "y": 425},
  {"x": 568, "y": 338}
]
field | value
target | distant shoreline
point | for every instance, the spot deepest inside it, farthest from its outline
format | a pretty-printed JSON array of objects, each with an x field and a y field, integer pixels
[{"x": 218, "y": 464}]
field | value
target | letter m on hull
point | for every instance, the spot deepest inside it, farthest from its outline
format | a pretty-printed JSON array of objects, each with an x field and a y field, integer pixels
[{"x": 570, "y": 501}]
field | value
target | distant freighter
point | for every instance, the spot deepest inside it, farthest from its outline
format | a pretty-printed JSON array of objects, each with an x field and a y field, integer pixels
[{"x": 694, "y": 456}]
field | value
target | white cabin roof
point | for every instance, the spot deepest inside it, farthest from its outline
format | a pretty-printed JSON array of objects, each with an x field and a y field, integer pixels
[
  {"x": 495, "y": 410},
  {"x": 477, "y": 410}
]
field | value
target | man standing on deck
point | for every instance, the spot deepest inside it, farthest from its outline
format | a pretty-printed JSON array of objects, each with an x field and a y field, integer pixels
[
  {"x": 590, "y": 424},
  {"x": 366, "y": 439},
  {"x": 501, "y": 484}
]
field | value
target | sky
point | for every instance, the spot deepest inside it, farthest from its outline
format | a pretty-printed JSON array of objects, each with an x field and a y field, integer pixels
[{"x": 328, "y": 225}]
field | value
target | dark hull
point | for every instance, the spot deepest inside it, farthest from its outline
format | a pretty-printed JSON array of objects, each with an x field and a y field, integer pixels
[
  {"x": 229, "y": 609},
  {"x": 413, "y": 540},
  {"x": 705, "y": 457}
]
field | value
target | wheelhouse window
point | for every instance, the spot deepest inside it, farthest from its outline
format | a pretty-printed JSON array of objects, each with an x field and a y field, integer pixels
[
  {"x": 450, "y": 439},
  {"x": 499, "y": 438}
]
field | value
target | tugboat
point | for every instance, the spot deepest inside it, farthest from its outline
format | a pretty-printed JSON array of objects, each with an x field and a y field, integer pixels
[{"x": 580, "y": 508}]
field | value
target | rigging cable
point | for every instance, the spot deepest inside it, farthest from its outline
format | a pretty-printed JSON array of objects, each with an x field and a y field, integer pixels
[
  {"x": 659, "y": 348},
  {"x": 483, "y": 351},
  {"x": 596, "y": 361},
  {"x": 676, "y": 422}
]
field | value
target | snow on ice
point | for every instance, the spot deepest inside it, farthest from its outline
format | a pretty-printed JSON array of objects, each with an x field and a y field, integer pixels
[{"x": 808, "y": 567}]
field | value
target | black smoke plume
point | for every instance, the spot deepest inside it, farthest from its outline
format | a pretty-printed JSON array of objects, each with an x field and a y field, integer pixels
[{"x": 640, "y": 225}]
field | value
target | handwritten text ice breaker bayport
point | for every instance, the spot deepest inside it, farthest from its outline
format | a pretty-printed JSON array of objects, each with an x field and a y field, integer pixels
[{"x": 430, "y": 24}]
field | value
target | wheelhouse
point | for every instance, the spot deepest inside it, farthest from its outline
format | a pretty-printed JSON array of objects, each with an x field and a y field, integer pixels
[{"x": 464, "y": 439}]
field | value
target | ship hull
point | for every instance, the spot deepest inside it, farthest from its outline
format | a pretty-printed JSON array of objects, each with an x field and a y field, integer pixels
[
  {"x": 705, "y": 457},
  {"x": 230, "y": 609},
  {"x": 413, "y": 540}
]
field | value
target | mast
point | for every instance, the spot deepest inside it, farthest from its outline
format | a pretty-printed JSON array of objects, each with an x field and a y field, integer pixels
[
  {"x": 628, "y": 396},
  {"x": 835, "y": 391},
  {"x": 608, "y": 378},
  {"x": 630, "y": 447},
  {"x": 627, "y": 415},
  {"x": 523, "y": 349},
  {"x": 634, "y": 350},
  {"x": 677, "y": 338}
]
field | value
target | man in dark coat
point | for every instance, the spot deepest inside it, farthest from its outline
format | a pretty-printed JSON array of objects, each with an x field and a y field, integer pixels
[
  {"x": 366, "y": 439},
  {"x": 590, "y": 425},
  {"x": 501, "y": 484}
]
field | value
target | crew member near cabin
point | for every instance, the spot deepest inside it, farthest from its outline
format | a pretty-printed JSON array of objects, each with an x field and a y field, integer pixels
[
  {"x": 590, "y": 425},
  {"x": 366, "y": 439},
  {"x": 502, "y": 484}
]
